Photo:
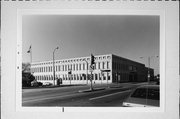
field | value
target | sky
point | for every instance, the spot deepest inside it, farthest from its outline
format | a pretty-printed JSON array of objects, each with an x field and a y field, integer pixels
[{"x": 127, "y": 36}]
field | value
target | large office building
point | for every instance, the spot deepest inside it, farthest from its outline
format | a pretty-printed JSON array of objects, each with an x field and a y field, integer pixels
[{"x": 107, "y": 69}]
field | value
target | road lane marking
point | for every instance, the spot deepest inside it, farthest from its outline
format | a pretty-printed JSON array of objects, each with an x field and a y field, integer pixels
[{"x": 95, "y": 98}]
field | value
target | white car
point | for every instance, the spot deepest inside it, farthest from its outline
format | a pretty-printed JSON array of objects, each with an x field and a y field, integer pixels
[
  {"x": 143, "y": 96},
  {"x": 47, "y": 83}
]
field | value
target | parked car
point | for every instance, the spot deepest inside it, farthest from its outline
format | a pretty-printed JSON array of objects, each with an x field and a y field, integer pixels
[
  {"x": 40, "y": 84},
  {"x": 47, "y": 84},
  {"x": 143, "y": 96}
]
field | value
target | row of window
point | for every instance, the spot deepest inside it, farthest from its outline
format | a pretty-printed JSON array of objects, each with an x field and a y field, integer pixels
[
  {"x": 73, "y": 67},
  {"x": 74, "y": 60},
  {"x": 74, "y": 77},
  {"x": 124, "y": 67}
]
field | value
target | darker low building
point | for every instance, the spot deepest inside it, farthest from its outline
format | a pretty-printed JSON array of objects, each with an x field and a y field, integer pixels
[{"x": 125, "y": 70}]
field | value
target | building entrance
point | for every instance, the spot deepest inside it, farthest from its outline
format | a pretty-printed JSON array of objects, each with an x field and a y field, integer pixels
[{"x": 133, "y": 77}]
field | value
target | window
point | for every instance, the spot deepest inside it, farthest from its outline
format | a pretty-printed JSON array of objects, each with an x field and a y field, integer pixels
[
  {"x": 96, "y": 77},
  {"x": 87, "y": 66},
  {"x": 77, "y": 77},
  {"x": 107, "y": 65},
  {"x": 135, "y": 68},
  {"x": 51, "y": 68},
  {"x": 62, "y": 67},
  {"x": 99, "y": 65},
  {"x": 74, "y": 77},
  {"x": 79, "y": 66},
  {"x": 59, "y": 68},
  {"x": 83, "y": 66},
  {"x": 71, "y": 66},
  {"x": 99, "y": 76},
  {"x": 65, "y": 77},
  {"x": 74, "y": 67},
  {"x": 80, "y": 77},
  {"x": 130, "y": 68},
  {"x": 65, "y": 67},
  {"x": 103, "y": 65}
]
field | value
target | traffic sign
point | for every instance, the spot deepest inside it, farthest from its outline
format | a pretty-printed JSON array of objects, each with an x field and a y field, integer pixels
[{"x": 105, "y": 70}]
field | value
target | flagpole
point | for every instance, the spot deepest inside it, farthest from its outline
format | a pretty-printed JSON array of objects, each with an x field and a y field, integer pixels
[
  {"x": 31, "y": 54},
  {"x": 31, "y": 59},
  {"x": 30, "y": 51}
]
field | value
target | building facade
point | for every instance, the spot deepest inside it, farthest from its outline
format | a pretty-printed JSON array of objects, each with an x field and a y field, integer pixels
[{"x": 107, "y": 69}]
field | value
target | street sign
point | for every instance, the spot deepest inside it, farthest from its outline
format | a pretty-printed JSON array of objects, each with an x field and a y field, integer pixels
[
  {"x": 105, "y": 70},
  {"x": 91, "y": 68},
  {"x": 69, "y": 72}
]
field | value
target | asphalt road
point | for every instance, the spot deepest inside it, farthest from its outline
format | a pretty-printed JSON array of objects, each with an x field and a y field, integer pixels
[{"x": 77, "y": 96}]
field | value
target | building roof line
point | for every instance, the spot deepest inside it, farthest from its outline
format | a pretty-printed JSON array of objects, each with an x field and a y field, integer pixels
[
  {"x": 70, "y": 58},
  {"x": 128, "y": 59}
]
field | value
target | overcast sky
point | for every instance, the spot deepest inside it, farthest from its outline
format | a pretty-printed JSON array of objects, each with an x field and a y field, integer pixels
[{"x": 131, "y": 37}]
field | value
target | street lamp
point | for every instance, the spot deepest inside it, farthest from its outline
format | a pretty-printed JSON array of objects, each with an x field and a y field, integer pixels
[
  {"x": 149, "y": 58},
  {"x": 53, "y": 66}
]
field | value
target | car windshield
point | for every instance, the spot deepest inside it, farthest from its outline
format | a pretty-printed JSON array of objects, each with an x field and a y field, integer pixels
[{"x": 141, "y": 93}]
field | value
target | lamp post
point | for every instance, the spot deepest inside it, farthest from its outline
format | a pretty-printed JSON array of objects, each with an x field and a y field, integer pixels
[{"x": 53, "y": 66}]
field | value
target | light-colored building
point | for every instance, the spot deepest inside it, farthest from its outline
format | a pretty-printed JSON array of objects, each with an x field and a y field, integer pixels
[{"x": 107, "y": 69}]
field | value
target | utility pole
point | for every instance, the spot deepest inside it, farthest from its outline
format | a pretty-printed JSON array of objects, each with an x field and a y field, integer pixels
[
  {"x": 149, "y": 76},
  {"x": 149, "y": 70},
  {"x": 149, "y": 61}
]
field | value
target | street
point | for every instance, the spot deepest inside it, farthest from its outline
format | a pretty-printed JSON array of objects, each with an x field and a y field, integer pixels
[{"x": 103, "y": 95}]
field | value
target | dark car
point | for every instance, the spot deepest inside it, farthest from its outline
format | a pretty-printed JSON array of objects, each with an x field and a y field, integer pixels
[{"x": 143, "y": 96}]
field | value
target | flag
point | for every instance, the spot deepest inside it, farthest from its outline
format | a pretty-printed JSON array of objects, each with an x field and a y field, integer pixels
[{"x": 29, "y": 49}]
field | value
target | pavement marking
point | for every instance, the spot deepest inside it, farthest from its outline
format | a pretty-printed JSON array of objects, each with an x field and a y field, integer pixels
[{"x": 95, "y": 98}]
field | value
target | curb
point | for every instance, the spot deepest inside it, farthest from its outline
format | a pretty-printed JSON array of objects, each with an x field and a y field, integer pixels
[
  {"x": 116, "y": 87},
  {"x": 89, "y": 90}
]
